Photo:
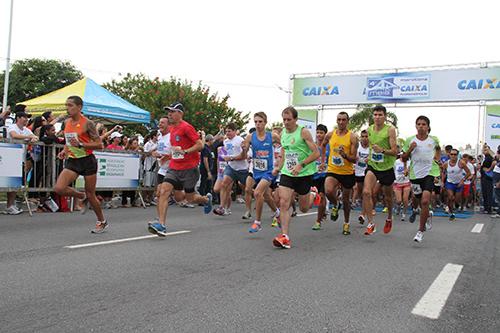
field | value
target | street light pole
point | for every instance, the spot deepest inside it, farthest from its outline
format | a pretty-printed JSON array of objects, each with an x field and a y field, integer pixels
[{"x": 7, "y": 62}]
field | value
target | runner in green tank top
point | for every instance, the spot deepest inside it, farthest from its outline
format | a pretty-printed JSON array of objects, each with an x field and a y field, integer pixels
[
  {"x": 383, "y": 150},
  {"x": 297, "y": 167}
]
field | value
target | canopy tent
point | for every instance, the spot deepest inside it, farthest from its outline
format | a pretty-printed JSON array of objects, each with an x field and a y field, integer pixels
[{"x": 97, "y": 103}]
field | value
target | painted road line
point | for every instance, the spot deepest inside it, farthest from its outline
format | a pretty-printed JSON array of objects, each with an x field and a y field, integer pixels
[
  {"x": 79, "y": 246},
  {"x": 477, "y": 228},
  {"x": 306, "y": 214},
  {"x": 434, "y": 299}
]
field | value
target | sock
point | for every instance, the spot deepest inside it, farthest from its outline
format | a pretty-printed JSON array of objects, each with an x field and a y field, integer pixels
[{"x": 277, "y": 213}]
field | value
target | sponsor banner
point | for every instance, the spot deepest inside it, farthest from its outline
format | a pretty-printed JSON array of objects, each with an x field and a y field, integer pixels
[
  {"x": 307, "y": 118},
  {"x": 11, "y": 164},
  {"x": 492, "y": 129},
  {"x": 115, "y": 170},
  {"x": 453, "y": 85}
]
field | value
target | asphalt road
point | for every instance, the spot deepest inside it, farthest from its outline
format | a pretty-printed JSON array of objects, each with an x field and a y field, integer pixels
[{"x": 220, "y": 278}]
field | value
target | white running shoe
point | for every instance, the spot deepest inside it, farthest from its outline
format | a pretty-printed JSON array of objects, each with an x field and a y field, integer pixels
[
  {"x": 419, "y": 236},
  {"x": 246, "y": 216},
  {"x": 13, "y": 210},
  {"x": 428, "y": 223},
  {"x": 403, "y": 217}
]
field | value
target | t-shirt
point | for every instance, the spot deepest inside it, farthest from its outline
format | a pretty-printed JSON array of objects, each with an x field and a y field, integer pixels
[
  {"x": 399, "y": 172},
  {"x": 233, "y": 148},
  {"x": 184, "y": 135},
  {"x": 422, "y": 157},
  {"x": 114, "y": 147},
  {"x": 488, "y": 160},
  {"x": 206, "y": 152},
  {"x": 163, "y": 147},
  {"x": 149, "y": 161},
  {"x": 14, "y": 128}
]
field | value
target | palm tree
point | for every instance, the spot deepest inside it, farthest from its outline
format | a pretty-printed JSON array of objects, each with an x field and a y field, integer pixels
[{"x": 363, "y": 117}]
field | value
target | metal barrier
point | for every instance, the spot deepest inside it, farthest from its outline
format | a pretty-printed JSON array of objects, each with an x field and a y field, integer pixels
[{"x": 34, "y": 168}]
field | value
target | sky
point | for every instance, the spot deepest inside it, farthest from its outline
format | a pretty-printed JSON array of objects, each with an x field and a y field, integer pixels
[{"x": 249, "y": 49}]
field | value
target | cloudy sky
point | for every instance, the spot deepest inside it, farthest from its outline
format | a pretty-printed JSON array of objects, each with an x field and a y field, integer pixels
[{"x": 250, "y": 49}]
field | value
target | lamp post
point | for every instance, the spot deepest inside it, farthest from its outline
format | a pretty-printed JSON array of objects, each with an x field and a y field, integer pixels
[{"x": 7, "y": 62}]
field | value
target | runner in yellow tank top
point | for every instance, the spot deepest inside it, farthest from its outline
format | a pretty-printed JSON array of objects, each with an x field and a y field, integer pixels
[
  {"x": 383, "y": 151},
  {"x": 343, "y": 148}
]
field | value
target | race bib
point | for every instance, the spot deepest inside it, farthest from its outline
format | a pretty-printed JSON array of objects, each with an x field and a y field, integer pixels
[
  {"x": 362, "y": 164},
  {"x": 416, "y": 189},
  {"x": 337, "y": 161},
  {"x": 377, "y": 157},
  {"x": 177, "y": 155},
  {"x": 400, "y": 178},
  {"x": 69, "y": 136},
  {"x": 222, "y": 166},
  {"x": 260, "y": 164},
  {"x": 291, "y": 160}
]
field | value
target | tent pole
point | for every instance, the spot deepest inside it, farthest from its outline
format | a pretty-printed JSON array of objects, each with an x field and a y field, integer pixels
[{"x": 7, "y": 61}]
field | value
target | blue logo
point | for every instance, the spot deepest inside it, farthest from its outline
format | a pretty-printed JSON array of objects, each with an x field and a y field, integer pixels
[
  {"x": 177, "y": 138},
  {"x": 394, "y": 87},
  {"x": 321, "y": 91},
  {"x": 381, "y": 88},
  {"x": 479, "y": 84}
]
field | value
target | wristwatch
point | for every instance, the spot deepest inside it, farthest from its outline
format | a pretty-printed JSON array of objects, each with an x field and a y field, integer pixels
[
  {"x": 303, "y": 164},
  {"x": 185, "y": 151}
]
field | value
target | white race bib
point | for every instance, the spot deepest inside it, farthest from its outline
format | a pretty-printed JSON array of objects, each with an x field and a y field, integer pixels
[
  {"x": 177, "y": 155},
  {"x": 222, "y": 166},
  {"x": 416, "y": 189},
  {"x": 260, "y": 164},
  {"x": 291, "y": 160},
  {"x": 69, "y": 136},
  {"x": 337, "y": 161},
  {"x": 377, "y": 157}
]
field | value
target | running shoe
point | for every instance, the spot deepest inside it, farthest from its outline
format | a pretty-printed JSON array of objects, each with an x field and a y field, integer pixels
[
  {"x": 99, "y": 227},
  {"x": 171, "y": 201},
  {"x": 12, "y": 210},
  {"x": 207, "y": 208},
  {"x": 428, "y": 223},
  {"x": 403, "y": 216},
  {"x": 370, "y": 229},
  {"x": 316, "y": 226},
  {"x": 317, "y": 197},
  {"x": 246, "y": 216},
  {"x": 282, "y": 241},
  {"x": 255, "y": 227},
  {"x": 385, "y": 210},
  {"x": 227, "y": 211},
  {"x": 387, "y": 226},
  {"x": 276, "y": 222},
  {"x": 452, "y": 217},
  {"x": 345, "y": 229},
  {"x": 419, "y": 236},
  {"x": 334, "y": 215},
  {"x": 361, "y": 219},
  {"x": 240, "y": 200},
  {"x": 294, "y": 213},
  {"x": 495, "y": 216},
  {"x": 157, "y": 229},
  {"x": 219, "y": 211},
  {"x": 413, "y": 216}
]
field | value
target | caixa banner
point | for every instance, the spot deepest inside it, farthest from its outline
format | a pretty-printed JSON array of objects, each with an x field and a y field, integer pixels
[
  {"x": 492, "y": 126},
  {"x": 454, "y": 85}
]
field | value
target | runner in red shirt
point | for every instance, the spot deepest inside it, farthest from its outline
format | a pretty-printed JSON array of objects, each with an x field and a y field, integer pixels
[{"x": 183, "y": 173}]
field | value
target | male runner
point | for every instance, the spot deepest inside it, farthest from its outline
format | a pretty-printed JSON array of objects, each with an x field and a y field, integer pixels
[
  {"x": 297, "y": 167},
  {"x": 360, "y": 168},
  {"x": 81, "y": 138},
  {"x": 456, "y": 174},
  {"x": 383, "y": 150},
  {"x": 183, "y": 173},
  {"x": 320, "y": 176},
  {"x": 425, "y": 152},
  {"x": 343, "y": 148},
  {"x": 262, "y": 150}
]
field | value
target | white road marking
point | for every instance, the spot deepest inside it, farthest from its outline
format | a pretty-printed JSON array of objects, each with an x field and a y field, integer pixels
[
  {"x": 306, "y": 214},
  {"x": 434, "y": 299},
  {"x": 477, "y": 228},
  {"x": 79, "y": 246}
]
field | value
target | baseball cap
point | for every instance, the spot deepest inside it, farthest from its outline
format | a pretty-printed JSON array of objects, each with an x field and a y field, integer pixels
[
  {"x": 115, "y": 135},
  {"x": 209, "y": 137},
  {"x": 176, "y": 106},
  {"x": 22, "y": 114}
]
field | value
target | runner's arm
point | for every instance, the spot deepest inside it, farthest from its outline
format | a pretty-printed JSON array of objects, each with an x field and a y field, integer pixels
[
  {"x": 307, "y": 137},
  {"x": 323, "y": 145},
  {"x": 95, "y": 140},
  {"x": 393, "y": 142},
  {"x": 351, "y": 157}
]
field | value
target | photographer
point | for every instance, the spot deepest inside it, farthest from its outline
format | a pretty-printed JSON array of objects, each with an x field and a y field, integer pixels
[{"x": 487, "y": 179}]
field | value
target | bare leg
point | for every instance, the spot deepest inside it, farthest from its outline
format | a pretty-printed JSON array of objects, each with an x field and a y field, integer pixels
[
  {"x": 90, "y": 183},
  {"x": 165, "y": 189},
  {"x": 249, "y": 184},
  {"x": 424, "y": 213},
  {"x": 389, "y": 202},
  {"x": 346, "y": 202},
  {"x": 259, "y": 193},
  {"x": 368, "y": 188},
  {"x": 66, "y": 177},
  {"x": 285, "y": 195},
  {"x": 331, "y": 184}
]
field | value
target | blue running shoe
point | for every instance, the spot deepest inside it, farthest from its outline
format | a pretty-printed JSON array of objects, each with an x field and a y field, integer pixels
[
  {"x": 208, "y": 206},
  {"x": 255, "y": 227},
  {"x": 157, "y": 229}
]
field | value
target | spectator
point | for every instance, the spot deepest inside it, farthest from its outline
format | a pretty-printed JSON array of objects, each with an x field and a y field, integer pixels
[
  {"x": 116, "y": 139},
  {"x": 487, "y": 179},
  {"x": 133, "y": 145},
  {"x": 150, "y": 167},
  {"x": 206, "y": 166}
]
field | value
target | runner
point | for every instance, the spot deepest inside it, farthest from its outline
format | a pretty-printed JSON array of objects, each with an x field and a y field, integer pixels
[
  {"x": 183, "y": 173},
  {"x": 81, "y": 138},
  {"x": 277, "y": 154},
  {"x": 466, "y": 190},
  {"x": 402, "y": 186},
  {"x": 262, "y": 148},
  {"x": 320, "y": 176},
  {"x": 455, "y": 179},
  {"x": 359, "y": 170},
  {"x": 425, "y": 152},
  {"x": 163, "y": 155},
  {"x": 343, "y": 148},
  {"x": 383, "y": 150},
  {"x": 297, "y": 168},
  {"x": 221, "y": 166},
  {"x": 236, "y": 168}
]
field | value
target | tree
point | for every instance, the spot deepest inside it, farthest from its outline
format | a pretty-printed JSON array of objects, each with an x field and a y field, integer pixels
[
  {"x": 363, "y": 117},
  {"x": 276, "y": 124},
  {"x": 30, "y": 78},
  {"x": 204, "y": 110}
]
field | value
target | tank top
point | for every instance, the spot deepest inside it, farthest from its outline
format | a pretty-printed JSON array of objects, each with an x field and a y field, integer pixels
[
  {"x": 471, "y": 169},
  {"x": 77, "y": 131},
  {"x": 321, "y": 174},
  {"x": 380, "y": 161},
  {"x": 454, "y": 173},
  {"x": 360, "y": 166},
  {"x": 336, "y": 163},
  {"x": 262, "y": 153},
  {"x": 296, "y": 151}
]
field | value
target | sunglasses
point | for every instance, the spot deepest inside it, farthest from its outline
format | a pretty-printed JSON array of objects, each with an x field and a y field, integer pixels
[{"x": 453, "y": 154}]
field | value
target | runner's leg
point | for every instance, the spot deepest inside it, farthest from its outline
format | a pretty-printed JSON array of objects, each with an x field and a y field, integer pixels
[{"x": 90, "y": 184}]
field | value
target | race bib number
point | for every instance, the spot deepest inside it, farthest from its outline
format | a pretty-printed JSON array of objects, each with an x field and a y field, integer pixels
[
  {"x": 291, "y": 160},
  {"x": 416, "y": 189},
  {"x": 362, "y": 164},
  {"x": 69, "y": 136},
  {"x": 260, "y": 164},
  {"x": 400, "y": 178},
  {"x": 177, "y": 155},
  {"x": 222, "y": 167},
  {"x": 337, "y": 161},
  {"x": 377, "y": 157}
]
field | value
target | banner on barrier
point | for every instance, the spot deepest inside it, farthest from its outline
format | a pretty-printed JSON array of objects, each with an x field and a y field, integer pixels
[
  {"x": 115, "y": 170},
  {"x": 492, "y": 129},
  {"x": 454, "y": 85},
  {"x": 11, "y": 164}
]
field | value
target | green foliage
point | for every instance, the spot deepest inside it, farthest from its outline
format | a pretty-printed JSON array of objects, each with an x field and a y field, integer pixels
[
  {"x": 30, "y": 78},
  {"x": 362, "y": 118},
  {"x": 275, "y": 124},
  {"x": 205, "y": 111}
]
